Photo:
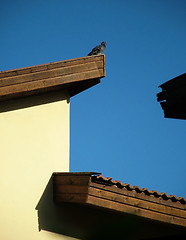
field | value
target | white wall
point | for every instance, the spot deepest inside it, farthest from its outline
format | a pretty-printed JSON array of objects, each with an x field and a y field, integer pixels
[{"x": 34, "y": 143}]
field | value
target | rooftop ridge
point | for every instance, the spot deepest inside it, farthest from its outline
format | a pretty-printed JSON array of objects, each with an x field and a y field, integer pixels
[{"x": 109, "y": 182}]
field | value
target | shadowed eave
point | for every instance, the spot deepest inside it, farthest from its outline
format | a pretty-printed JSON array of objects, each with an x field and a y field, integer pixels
[{"x": 93, "y": 189}]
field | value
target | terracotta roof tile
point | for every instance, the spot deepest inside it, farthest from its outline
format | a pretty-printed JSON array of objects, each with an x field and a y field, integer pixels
[{"x": 109, "y": 182}]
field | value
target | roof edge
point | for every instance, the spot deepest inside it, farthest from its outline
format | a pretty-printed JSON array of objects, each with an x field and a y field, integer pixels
[
  {"x": 94, "y": 190},
  {"x": 73, "y": 75}
]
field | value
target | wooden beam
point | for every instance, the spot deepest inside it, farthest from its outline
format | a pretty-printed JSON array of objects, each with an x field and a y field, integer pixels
[
  {"x": 53, "y": 65},
  {"x": 71, "y": 180},
  {"x": 135, "y": 202},
  {"x": 70, "y": 198},
  {"x": 81, "y": 189},
  {"x": 136, "y": 195},
  {"x": 124, "y": 208},
  {"x": 78, "y": 74}
]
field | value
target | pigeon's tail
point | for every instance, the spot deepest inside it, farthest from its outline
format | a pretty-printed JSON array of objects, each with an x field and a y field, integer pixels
[{"x": 90, "y": 54}]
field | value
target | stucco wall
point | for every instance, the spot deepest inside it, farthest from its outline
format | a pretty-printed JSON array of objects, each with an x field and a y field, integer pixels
[{"x": 34, "y": 143}]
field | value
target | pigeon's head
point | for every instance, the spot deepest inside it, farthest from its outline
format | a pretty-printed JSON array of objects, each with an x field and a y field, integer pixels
[{"x": 103, "y": 43}]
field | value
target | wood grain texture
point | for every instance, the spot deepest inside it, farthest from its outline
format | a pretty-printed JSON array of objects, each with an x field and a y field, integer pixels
[
  {"x": 138, "y": 203},
  {"x": 48, "y": 77},
  {"x": 137, "y": 195},
  {"x": 100, "y": 202},
  {"x": 81, "y": 189},
  {"x": 70, "y": 198},
  {"x": 71, "y": 180},
  {"x": 53, "y": 65}
]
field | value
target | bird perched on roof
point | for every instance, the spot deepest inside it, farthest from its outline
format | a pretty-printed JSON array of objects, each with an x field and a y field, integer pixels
[{"x": 98, "y": 49}]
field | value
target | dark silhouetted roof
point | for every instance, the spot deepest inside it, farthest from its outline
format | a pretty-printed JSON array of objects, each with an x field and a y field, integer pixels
[{"x": 173, "y": 97}]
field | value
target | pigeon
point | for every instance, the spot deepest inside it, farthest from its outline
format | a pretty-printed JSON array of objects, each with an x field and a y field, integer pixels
[{"x": 98, "y": 49}]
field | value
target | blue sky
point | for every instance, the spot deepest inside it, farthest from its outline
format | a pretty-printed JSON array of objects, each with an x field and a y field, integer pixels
[{"x": 117, "y": 127}]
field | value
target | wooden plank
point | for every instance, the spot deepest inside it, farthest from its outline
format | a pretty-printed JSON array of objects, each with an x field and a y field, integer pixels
[
  {"x": 136, "y": 195},
  {"x": 51, "y": 73},
  {"x": 44, "y": 67},
  {"x": 71, "y": 180},
  {"x": 76, "y": 61},
  {"x": 138, "y": 203},
  {"x": 76, "y": 189},
  {"x": 68, "y": 74},
  {"x": 100, "y": 202},
  {"x": 68, "y": 197},
  {"x": 7, "y": 91}
]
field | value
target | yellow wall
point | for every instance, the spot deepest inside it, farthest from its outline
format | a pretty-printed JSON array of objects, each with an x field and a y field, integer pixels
[{"x": 34, "y": 143}]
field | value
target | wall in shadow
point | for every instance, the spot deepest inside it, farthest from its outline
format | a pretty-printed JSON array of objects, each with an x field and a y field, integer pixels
[
  {"x": 50, "y": 217},
  {"x": 35, "y": 100},
  {"x": 76, "y": 220}
]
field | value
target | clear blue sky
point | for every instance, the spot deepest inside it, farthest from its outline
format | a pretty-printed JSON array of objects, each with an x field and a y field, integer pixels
[{"x": 117, "y": 127}]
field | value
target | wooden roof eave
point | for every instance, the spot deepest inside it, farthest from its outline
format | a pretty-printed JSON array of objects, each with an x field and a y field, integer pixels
[
  {"x": 80, "y": 189},
  {"x": 74, "y": 75}
]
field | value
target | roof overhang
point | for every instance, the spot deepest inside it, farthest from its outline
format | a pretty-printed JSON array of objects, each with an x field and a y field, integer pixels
[
  {"x": 93, "y": 190},
  {"x": 74, "y": 75},
  {"x": 173, "y": 97}
]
